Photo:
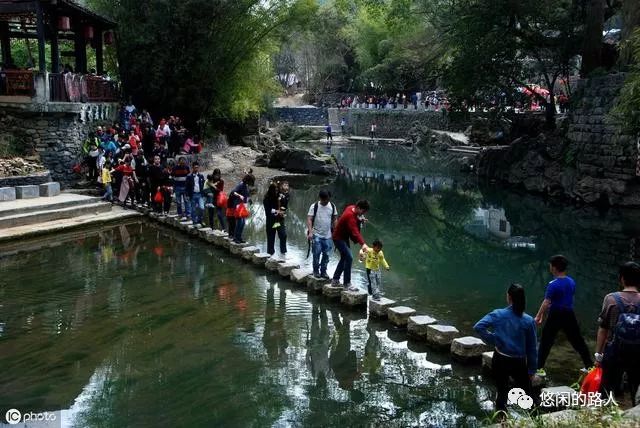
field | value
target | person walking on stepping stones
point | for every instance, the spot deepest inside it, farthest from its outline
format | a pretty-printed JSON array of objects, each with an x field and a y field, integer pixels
[
  {"x": 558, "y": 302},
  {"x": 348, "y": 228}
]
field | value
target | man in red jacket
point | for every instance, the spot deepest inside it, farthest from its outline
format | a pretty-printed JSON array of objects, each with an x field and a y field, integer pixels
[{"x": 348, "y": 228}]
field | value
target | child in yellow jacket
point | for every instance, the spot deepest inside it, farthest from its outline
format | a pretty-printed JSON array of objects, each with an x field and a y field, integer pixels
[{"x": 374, "y": 261}]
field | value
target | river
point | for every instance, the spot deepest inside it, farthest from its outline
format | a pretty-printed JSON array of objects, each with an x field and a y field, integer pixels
[{"x": 137, "y": 325}]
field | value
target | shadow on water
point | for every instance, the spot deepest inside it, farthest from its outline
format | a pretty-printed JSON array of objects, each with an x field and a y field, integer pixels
[{"x": 136, "y": 325}]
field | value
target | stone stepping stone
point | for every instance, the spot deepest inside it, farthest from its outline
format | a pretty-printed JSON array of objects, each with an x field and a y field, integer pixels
[
  {"x": 299, "y": 276},
  {"x": 399, "y": 315},
  {"x": 441, "y": 335},
  {"x": 49, "y": 190},
  {"x": 248, "y": 252},
  {"x": 417, "y": 326},
  {"x": 379, "y": 308},
  {"x": 194, "y": 230},
  {"x": 468, "y": 348},
  {"x": 236, "y": 248},
  {"x": 202, "y": 232},
  {"x": 226, "y": 242},
  {"x": 260, "y": 259},
  {"x": 487, "y": 360},
  {"x": 27, "y": 192},
  {"x": 154, "y": 215},
  {"x": 184, "y": 225},
  {"x": 354, "y": 298},
  {"x": 332, "y": 292},
  {"x": 273, "y": 263},
  {"x": 285, "y": 268},
  {"x": 7, "y": 193},
  {"x": 315, "y": 285},
  {"x": 219, "y": 237}
]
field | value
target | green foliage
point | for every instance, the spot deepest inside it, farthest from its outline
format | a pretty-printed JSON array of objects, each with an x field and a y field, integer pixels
[
  {"x": 627, "y": 110},
  {"x": 201, "y": 59}
]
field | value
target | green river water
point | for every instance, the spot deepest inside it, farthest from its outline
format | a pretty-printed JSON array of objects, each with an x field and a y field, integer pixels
[{"x": 138, "y": 325}]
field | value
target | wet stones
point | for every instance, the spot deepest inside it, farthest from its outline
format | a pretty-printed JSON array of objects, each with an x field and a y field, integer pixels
[
  {"x": 273, "y": 264},
  {"x": 27, "y": 192},
  {"x": 378, "y": 308},
  {"x": 299, "y": 276},
  {"x": 487, "y": 360},
  {"x": 354, "y": 298},
  {"x": 248, "y": 252},
  {"x": 467, "y": 348},
  {"x": 260, "y": 259},
  {"x": 417, "y": 326},
  {"x": 399, "y": 315},
  {"x": 225, "y": 242},
  {"x": 285, "y": 268},
  {"x": 236, "y": 248},
  {"x": 441, "y": 335},
  {"x": 332, "y": 292},
  {"x": 202, "y": 232},
  {"x": 184, "y": 225},
  {"x": 49, "y": 190},
  {"x": 316, "y": 284}
]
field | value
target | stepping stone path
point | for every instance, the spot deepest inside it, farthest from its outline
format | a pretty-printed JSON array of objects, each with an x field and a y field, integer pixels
[
  {"x": 285, "y": 268},
  {"x": 236, "y": 248},
  {"x": 49, "y": 190},
  {"x": 332, "y": 292},
  {"x": 225, "y": 242},
  {"x": 399, "y": 315},
  {"x": 299, "y": 276},
  {"x": 273, "y": 264},
  {"x": 417, "y": 326},
  {"x": 27, "y": 192},
  {"x": 379, "y": 308},
  {"x": 203, "y": 231},
  {"x": 468, "y": 348},
  {"x": 441, "y": 335},
  {"x": 316, "y": 284},
  {"x": 354, "y": 298},
  {"x": 260, "y": 259},
  {"x": 184, "y": 225},
  {"x": 248, "y": 252}
]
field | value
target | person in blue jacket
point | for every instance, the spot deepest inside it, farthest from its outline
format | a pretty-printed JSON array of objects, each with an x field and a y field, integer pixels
[
  {"x": 512, "y": 332},
  {"x": 195, "y": 190}
]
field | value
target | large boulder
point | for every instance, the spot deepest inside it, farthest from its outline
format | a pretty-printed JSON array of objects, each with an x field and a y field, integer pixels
[{"x": 302, "y": 160}]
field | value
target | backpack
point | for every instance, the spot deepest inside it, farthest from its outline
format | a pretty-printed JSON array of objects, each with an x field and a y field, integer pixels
[
  {"x": 627, "y": 329},
  {"x": 334, "y": 213}
]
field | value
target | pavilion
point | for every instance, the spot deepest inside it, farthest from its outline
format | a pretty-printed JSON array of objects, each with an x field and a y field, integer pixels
[{"x": 52, "y": 21}]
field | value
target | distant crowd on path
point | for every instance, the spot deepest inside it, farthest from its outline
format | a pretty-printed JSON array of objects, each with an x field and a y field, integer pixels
[
  {"x": 431, "y": 101},
  {"x": 517, "y": 355}
]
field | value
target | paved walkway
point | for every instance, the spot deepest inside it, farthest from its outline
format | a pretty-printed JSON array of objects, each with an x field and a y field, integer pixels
[{"x": 36, "y": 204}]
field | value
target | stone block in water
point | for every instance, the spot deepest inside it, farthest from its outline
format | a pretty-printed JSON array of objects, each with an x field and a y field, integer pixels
[
  {"x": 236, "y": 248},
  {"x": 468, "y": 348},
  {"x": 399, "y": 315},
  {"x": 248, "y": 252},
  {"x": 7, "y": 193},
  {"x": 285, "y": 268},
  {"x": 49, "y": 190},
  {"x": 27, "y": 192},
  {"x": 378, "y": 308},
  {"x": 194, "y": 230},
  {"x": 273, "y": 264},
  {"x": 202, "y": 232},
  {"x": 441, "y": 335},
  {"x": 417, "y": 326},
  {"x": 487, "y": 360},
  {"x": 260, "y": 258},
  {"x": 299, "y": 276},
  {"x": 332, "y": 292},
  {"x": 184, "y": 225},
  {"x": 354, "y": 298},
  {"x": 219, "y": 237},
  {"x": 226, "y": 242},
  {"x": 154, "y": 215},
  {"x": 315, "y": 284}
]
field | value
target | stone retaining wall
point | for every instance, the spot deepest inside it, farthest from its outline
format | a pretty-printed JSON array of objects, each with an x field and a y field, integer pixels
[
  {"x": 26, "y": 180},
  {"x": 56, "y": 137},
  {"x": 310, "y": 116}
]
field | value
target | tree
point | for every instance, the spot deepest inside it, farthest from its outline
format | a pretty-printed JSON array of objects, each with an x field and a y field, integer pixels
[
  {"x": 498, "y": 46},
  {"x": 196, "y": 58}
]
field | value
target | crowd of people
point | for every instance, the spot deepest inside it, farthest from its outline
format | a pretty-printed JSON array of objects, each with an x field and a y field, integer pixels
[
  {"x": 431, "y": 101},
  {"x": 517, "y": 354}
]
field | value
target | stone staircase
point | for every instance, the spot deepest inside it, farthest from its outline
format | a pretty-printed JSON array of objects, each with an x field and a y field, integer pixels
[{"x": 32, "y": 210}]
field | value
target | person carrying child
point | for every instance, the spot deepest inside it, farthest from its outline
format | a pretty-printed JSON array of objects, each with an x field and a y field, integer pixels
[{"x": 374, "y": 261}]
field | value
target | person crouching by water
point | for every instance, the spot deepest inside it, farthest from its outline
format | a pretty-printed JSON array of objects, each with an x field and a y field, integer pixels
[{"x": 513, "y": 334}]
